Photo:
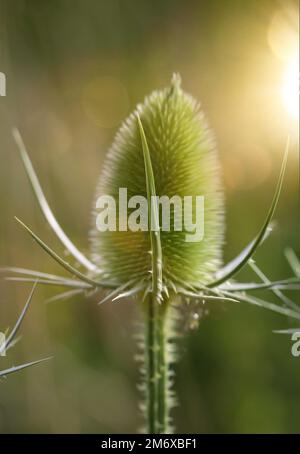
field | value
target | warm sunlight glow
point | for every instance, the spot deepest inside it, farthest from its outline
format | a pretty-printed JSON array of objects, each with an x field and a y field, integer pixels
[
  {"x": 290, "y": 88},
  {"x": 283, "y": 33},
  {"x": 283, "y": 38}
]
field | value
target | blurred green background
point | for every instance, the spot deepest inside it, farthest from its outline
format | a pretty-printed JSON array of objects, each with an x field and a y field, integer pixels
[{"x": 74, "y": 70}]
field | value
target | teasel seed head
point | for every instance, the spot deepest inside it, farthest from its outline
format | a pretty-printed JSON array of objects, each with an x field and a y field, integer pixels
[{"x": 185, "y": 163}]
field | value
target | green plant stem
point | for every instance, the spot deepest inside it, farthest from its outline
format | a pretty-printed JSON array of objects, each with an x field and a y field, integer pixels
[
  {"x": 150, "y": 349},
  {"x": 162, "y": 369},
  {"x": 156, "y": 366}
]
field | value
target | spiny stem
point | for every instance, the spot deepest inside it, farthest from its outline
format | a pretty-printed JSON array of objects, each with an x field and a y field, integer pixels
[
  {"x": 150, "y": 350},
  {"x": 162, "y": 369},
  {"x": 156, "y": 366}
]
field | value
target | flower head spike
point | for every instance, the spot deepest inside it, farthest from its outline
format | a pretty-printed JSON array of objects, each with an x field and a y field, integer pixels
[{"x": 11, "y": 340}]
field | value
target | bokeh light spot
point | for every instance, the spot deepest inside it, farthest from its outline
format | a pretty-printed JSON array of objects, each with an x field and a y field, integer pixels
[
  {"x": 283, "y": 34},
  {"x": 290, "y": 88}
]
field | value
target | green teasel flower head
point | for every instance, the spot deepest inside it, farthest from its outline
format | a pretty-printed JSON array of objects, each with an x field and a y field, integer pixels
[{"x": 185, "y": 162}]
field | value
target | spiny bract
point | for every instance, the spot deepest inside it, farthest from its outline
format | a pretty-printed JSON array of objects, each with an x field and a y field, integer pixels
[{"x": 185, "y": 163}]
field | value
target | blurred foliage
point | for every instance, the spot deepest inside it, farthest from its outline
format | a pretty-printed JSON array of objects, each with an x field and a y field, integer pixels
[{"x": 74, "y": 69}]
